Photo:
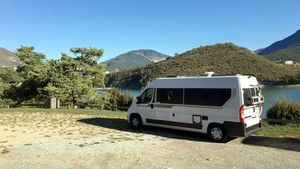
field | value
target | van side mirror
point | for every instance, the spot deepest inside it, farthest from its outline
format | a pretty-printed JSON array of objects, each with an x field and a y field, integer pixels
[{"x": 138, "y": 100}]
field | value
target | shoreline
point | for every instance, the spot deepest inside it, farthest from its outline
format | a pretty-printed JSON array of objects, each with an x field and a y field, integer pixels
[{"x": 288, "y": 85}]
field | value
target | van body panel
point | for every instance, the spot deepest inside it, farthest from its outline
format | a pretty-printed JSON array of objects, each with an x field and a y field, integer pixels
[{"x": 197, "y": 118}]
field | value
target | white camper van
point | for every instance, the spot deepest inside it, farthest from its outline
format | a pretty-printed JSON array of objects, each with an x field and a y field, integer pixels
[{"x": 220, "y": 106}]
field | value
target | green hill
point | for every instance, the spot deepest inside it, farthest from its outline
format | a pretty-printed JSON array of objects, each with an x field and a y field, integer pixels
[
  {"x": 134, "y": 59},
  {"x": 291, "y": 53},
  {"x": 220, "y": 58},
  {"x": 8, "y": 58}
]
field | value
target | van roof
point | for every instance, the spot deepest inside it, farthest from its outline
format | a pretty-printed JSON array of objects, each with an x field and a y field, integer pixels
[
  {"x": 203, "y": 77},
  {"x": 229, "y": 81}
]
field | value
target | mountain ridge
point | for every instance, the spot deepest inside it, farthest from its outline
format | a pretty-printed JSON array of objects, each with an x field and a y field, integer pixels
[
  {"x": 134, "y": 59},
  {"x": 225, "y": 58},
  {"x": 8, "y": 58},
  {"x": 289, "y": 41}
]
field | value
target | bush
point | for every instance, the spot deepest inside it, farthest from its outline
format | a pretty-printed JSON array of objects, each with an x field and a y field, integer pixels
[
  {"x": 125, "y": 99},
  {"x": 101, "y": 100},
  {"x": 284, "y": 110}
]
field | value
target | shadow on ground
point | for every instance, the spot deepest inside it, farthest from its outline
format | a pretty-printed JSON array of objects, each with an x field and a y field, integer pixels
[
  {"x": 122, "y": 125},
  {"x": 285, "y": 143}
]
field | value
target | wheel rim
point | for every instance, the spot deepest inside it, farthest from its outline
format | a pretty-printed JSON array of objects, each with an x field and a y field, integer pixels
[
  {"x": 216, "y": 133},
  {"x": 135, "y": 122}
]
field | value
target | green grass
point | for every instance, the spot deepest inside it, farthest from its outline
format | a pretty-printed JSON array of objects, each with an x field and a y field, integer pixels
[
  {"x": 105, "y": 113},
  {"x": 279, "y": 130}
]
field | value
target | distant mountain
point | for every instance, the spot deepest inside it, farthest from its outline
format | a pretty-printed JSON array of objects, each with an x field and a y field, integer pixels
[
  {"x": 293, "y": 40},
  {"x": 8, "y": 58},
  {"x": 220, "y": 58},
  {"x": 134, "y": 59},
  {"x": 259, "y": 50},
  {"x": 290, "y": 53}
]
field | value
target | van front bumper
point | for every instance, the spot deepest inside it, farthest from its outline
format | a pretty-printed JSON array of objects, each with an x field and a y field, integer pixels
[{"x": 237, "y": 129}]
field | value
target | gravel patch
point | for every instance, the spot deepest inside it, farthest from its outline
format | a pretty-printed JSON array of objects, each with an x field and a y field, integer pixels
[{"x": 57, "y": 140}]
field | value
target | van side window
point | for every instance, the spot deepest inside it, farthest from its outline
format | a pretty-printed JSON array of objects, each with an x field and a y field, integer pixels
[
  {"x": 146, "y": 97},
  {"x": 172, "y": 96},
  {"x": 206, "y": 97}
]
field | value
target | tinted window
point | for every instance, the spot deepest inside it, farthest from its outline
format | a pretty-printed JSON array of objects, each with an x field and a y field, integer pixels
[
  {"x": 146, "y": 97},
  {"x": 172, "y": 96},
  {"x": 206, "y": 97}
]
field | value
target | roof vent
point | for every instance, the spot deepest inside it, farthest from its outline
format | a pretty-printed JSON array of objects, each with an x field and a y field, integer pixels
[{"x": 209, "y": 74}]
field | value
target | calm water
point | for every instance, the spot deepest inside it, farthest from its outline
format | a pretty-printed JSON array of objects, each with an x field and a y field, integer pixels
[{"x": 272, "y": 95}]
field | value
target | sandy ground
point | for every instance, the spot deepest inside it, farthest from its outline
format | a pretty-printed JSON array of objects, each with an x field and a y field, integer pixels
[{"x": 57, "y": 140}]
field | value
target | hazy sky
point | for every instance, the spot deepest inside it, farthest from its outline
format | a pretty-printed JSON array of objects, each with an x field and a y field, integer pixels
[{"x": 168, "y": 26}]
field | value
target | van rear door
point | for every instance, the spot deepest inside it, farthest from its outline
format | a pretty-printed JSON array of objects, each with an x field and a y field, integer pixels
[{"x": 252, "y": 106}]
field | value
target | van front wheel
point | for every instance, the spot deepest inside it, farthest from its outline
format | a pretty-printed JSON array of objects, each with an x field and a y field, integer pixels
[
  {"x": 136, "y": 122},
  {"x": 217, "y": 133}
]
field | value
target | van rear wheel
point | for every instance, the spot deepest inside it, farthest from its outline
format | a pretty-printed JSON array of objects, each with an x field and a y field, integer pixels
[
  {"x": 136, "y": 122},
  {"x": 217, "y": 134}
]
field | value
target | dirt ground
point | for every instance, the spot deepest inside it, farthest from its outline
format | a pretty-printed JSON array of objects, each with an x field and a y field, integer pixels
[{"x": 57, "y": 140}]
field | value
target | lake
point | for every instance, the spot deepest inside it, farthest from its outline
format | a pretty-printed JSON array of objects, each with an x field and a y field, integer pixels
[{"x": 272, "y": 94}]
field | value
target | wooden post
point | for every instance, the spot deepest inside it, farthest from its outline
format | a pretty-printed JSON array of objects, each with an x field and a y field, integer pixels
[
  {"x": 53, "y": 103},
  {"x": 57, "y": 103}
]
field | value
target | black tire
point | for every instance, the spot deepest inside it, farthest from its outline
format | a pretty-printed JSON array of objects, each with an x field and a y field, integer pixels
[
  {"x": 217, "y": 133},
  {"x": 136, "y": 122}
]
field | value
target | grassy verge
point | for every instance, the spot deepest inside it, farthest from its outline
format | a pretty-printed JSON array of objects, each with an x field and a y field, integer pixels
[
  {"x": 279, "y": 130},
  {"x": 105, "y": 113}
]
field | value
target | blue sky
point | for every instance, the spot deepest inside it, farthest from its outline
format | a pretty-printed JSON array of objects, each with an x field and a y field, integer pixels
[{"x": 168, "y": 26}]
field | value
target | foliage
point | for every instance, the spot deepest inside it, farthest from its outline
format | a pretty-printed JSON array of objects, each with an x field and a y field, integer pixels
[
  {"x": 102, "y": 100},
  {"x": 126, "y": 99},
  {"x": 8, "y": 78},
  {"x": 28, "y": 79},
  {"x": 71, "y": 79},
  {"x": 220, "y": 58},
  {"x": 74, "y": 79},
  {"x": 291, "y": 53},
  {"x": 284, "y": 109},
  {"x": 112, "y": 100}
]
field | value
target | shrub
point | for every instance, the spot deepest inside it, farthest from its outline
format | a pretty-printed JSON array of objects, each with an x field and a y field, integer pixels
[
  {"x": 284, "y": 110},
  {"x": 114, "y": 97},
  {"x": 101, "y": 100},
  {"x": 125, "y": 99}
]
